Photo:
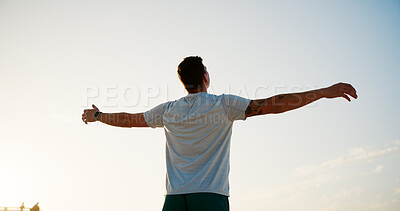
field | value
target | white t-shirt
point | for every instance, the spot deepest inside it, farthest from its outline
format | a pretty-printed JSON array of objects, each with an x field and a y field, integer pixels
[{"x": 198, "y": 129}]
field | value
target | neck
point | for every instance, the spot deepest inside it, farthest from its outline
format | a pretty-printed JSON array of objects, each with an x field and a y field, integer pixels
[{"x": 198, "y": 90}]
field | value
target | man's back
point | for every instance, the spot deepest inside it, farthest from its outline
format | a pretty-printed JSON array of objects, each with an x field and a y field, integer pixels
[{"x": 198, "y": 129}]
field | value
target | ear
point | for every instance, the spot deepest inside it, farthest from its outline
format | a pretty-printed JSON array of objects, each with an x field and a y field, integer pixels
[{"x": 206, "y": 79}]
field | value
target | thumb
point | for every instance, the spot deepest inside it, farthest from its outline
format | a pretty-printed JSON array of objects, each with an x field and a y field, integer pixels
[
  {"x": 95, "y": 107},
  {"x": 346, "y": 97}
]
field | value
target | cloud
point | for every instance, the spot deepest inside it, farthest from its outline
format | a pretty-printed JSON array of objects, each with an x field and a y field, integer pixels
[
  {"x": 397, "y": 142},
  {"x": 316, "y": 178},
  {"x": 378, "y": 169},
  {"x": 348, "y": 192},
  {"x": 294, "y": 188},
  {"x": 354, "y": 155},
  {"x": 359, "y": 154}
]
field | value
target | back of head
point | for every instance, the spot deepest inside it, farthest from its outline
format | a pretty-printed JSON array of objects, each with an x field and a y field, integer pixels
[{"x": 191, "y": 72}]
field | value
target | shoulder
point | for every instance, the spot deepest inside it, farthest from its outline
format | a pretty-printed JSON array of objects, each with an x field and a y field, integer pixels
[
  {"x": 169, "y": 104},
  {"x": 234, "y": 99},
  {"x": 210, "y": 96}
]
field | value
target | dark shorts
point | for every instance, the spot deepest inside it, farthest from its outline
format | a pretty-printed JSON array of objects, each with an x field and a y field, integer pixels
[{"x": 196, "y": 202}]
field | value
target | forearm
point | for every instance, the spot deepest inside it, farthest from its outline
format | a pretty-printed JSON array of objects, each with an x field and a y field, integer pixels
[
  {"x": 283, "y": 102},
  {"x": 123, "y": 119},
  {"x": 286, "y": 102}
]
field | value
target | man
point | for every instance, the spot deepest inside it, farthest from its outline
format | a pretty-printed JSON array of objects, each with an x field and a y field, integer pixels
[{"x": 198, "y": 130}]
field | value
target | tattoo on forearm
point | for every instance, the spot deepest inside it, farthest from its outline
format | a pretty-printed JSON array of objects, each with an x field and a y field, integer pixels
[
  {"x": 280, "y": 103},
  {"x": 255, "y": 107}
]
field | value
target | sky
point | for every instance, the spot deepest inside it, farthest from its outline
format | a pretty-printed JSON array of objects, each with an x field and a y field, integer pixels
[{"x": 57, "y": 58}]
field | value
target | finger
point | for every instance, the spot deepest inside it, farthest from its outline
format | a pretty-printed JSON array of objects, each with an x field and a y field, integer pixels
[
  {"x": 354, "y": 95},
  {"x": 355, "y": 92},
  {"x": 352, "y": 89},
  {"x": 95, "y": 107},
  {"x": 351, "y": 92},
  {"x": 346, "y": 97}
]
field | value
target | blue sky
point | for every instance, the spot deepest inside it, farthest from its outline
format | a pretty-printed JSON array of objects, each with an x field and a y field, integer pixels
[{"x": 58, "y": 57}]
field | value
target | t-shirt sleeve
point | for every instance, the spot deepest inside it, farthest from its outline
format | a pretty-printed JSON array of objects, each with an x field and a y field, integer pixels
[
  {"x": 235, "y": 106},
  {"x": 154, "y": 116}
]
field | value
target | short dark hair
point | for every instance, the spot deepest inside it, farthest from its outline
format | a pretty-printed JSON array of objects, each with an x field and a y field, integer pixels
[{"x": 191, "y": 72}]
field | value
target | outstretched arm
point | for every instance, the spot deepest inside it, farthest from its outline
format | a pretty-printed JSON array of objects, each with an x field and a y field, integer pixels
[
  {"x": 114, "y": 119},
  {"x": 286, "y": 102}
]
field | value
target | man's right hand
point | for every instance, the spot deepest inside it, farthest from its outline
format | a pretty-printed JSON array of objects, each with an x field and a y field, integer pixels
[
  {"x": 340, "y": 90},
  {"x": 88, "y": 114}
]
